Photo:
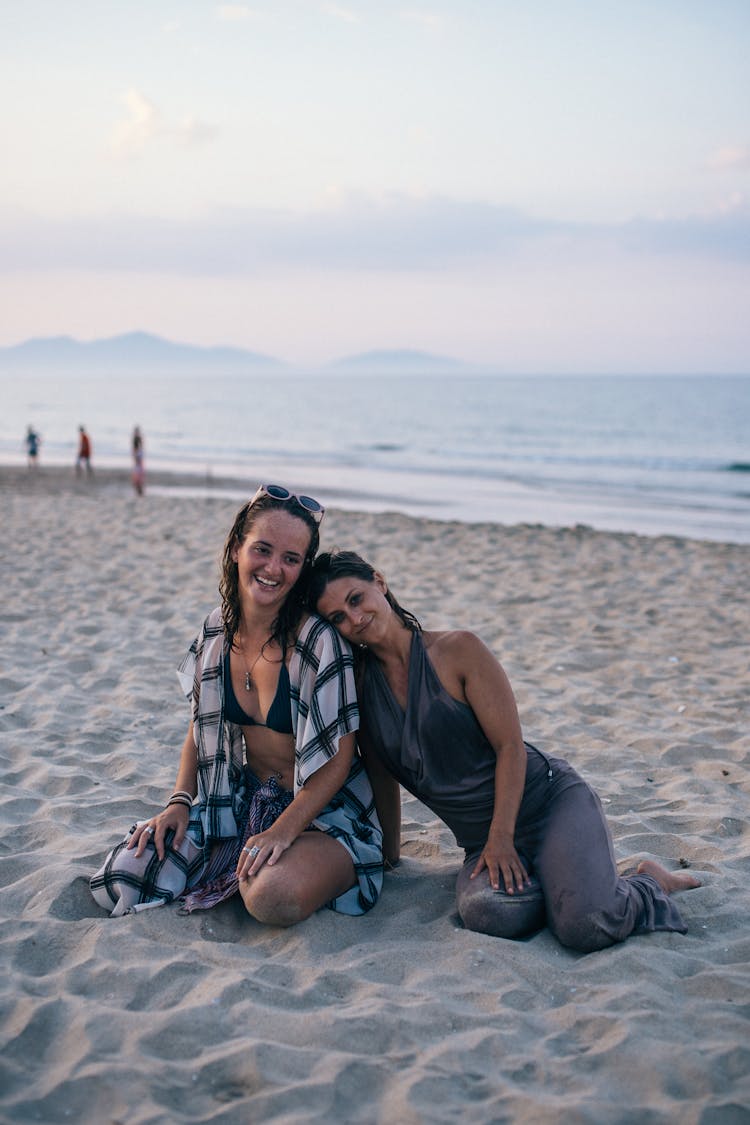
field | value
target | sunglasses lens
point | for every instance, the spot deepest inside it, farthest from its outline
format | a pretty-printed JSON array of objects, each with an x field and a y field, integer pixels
[
  {"x": 277, "y": 491},
  {"x": 310, "y": 504}
]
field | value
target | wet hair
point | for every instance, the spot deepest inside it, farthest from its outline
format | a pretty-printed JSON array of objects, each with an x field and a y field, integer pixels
[
  {"x": 330, "y": 565},
  {"x": 285, "y": 625}
]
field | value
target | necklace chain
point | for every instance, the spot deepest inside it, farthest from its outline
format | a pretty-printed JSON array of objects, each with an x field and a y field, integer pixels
[{"x": 249, "y": 671}]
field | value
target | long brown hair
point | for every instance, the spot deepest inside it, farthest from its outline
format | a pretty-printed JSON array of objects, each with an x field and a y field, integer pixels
[
  {"x": 285, "y": 625},
  {"x": 330, "y": 565}
]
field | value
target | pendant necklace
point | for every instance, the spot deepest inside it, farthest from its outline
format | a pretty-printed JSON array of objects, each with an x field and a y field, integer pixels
[{"x": 249, "y": 671}]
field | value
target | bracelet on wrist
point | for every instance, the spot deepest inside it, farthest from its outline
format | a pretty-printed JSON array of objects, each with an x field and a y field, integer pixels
[{"x": 178, "y": 800}]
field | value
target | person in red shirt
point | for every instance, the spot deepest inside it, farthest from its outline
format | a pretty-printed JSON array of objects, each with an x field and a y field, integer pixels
[{"x": 84, "y": 452}]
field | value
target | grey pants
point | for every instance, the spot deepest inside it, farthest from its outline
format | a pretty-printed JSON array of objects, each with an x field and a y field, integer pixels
[{"x": 564, "y": 841}]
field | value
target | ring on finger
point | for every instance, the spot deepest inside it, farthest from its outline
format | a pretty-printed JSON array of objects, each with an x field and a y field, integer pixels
[
  {"x": 150, "y": 829},
  {"x": 253, "y": 851}
]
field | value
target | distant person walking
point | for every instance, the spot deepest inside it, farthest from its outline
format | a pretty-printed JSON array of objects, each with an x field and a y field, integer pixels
[
  {"x": 139, "y": 469},
  {"x": 84, "y": 452},
  {"x": 33, "y": 441}
]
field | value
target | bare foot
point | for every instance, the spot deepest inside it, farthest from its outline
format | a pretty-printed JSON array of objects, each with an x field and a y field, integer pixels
[{"x": 669, "y": 881}]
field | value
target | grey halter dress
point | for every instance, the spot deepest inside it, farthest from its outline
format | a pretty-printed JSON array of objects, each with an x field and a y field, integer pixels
[{"x": 437, "y": 750}]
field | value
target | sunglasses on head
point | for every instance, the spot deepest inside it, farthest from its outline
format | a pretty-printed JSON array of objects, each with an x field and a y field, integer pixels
[{"x": 278, "y": 492}]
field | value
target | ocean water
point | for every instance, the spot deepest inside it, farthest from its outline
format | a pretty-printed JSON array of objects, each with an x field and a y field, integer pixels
[{"x": 666, "y": 455}]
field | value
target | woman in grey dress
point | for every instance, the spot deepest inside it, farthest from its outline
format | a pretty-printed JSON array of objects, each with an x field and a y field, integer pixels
[{"x": 437, "y": 715}]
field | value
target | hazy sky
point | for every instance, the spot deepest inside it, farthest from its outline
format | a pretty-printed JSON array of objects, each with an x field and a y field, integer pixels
[{"x": 539, "y": 185}]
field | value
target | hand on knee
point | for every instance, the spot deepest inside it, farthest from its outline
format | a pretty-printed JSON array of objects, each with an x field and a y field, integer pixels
[{"x": 487, "y": 911}]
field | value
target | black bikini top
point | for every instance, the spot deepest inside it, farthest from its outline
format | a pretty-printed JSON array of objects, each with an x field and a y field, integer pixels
[{"x": 279, "y": 717}]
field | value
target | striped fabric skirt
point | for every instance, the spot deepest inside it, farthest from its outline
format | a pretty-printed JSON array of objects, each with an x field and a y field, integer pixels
[
  {"x": 219, "y": 881},
  {"x": 126, "y": 884}
]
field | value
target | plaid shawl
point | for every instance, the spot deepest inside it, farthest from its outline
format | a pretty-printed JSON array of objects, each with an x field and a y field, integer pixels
[{"x": 324, "y": 710}]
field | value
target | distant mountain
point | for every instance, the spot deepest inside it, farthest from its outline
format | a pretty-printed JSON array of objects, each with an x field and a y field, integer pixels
[
  {"x": 131, "y": 352},
  {"x": 143, "y": 352},
  {"x": 404, "y": 362}
]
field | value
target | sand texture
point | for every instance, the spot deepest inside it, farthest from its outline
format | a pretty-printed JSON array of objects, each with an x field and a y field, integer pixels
[{"x": 629, "y": 656}]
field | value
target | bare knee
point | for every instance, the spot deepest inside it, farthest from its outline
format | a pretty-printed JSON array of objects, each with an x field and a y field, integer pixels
[{"x": 273, "y": 905}]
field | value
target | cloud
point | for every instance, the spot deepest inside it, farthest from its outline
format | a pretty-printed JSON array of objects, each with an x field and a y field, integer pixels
[
  {"x": 234, "y": 13},
  {"x": 434, "y": 21},
  {"x": 731, "y": 157},
  {"x": 339, "y": 13},
  {"x": 397, "y": 234},
  {"x": 192, "y": 131},
  {"x": 145, "y": 124},
  {"x": 725, "y": 235},
  {"x": 141, "y": 125}
]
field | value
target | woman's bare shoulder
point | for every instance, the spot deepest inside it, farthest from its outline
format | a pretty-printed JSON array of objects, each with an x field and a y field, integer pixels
[{"x": 454, "y": 645}]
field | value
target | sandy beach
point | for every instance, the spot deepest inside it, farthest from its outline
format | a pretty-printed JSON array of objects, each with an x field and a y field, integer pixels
[{"x": 628, "y": 655}]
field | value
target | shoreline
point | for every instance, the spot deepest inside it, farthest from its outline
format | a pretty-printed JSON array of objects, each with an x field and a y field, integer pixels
[{"x": 57, "y": 479}]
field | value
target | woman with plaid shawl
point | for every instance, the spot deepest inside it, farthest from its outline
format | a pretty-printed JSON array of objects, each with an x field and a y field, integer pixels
[{"x": 284, "y": 811}]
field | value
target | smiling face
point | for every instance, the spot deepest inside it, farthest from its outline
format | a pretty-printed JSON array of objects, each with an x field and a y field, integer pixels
[
  {"x": 357, "y": 608},
  {"x": 270, "y": 558}
]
